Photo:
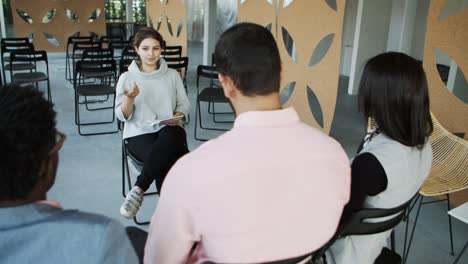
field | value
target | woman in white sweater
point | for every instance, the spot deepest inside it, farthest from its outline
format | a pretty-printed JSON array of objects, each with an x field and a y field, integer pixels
[{"x": 148, "y": 92}]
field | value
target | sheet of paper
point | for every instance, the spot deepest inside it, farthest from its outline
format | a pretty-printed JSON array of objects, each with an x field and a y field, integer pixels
[{"x": 159, "y": 121}]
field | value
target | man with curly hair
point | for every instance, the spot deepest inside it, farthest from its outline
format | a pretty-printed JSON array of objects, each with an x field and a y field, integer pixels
[{"x": 32, "y": 229}]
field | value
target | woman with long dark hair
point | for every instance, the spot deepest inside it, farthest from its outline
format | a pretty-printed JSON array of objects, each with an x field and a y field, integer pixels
[{"x": 394, "y": 158}]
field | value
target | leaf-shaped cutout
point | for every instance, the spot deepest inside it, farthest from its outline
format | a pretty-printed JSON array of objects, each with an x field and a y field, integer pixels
[
  {"x": 457, "y": 83},
  {"x": 242, "y": 1},
  {"x": 179, "y": 27},
  {"x": 164, "y": 2},
  {"x": 169, "y": 26},
  {"x": 270, "y": 2},
  {"x": 287, "y": 92},
  {"x": 160, "y": 19},
  {"x": 269, "y": 26},
  {"x": 289, "y": 44},
  {"x": 72, "y": 16},
  {"x": 286, "y": 3},
  {"x": 321, "y": 49},
  {"x": 452, "y": 8},
  {"x": 331, "y": 4},
  {"x": 49, "y": 16},
  {"x": 94, "y": 15},
  {"x": 24, "y": 16},
  {"x": 52, "y": 40},
  {"x": 150, "y": 21},
  {"x": 315, "y": 107}
]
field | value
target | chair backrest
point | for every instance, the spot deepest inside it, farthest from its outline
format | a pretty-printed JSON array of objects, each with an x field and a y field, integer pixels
[
  {"x": 179, "y": 64},
  {"x": 449, "y": 162},
  {"x": 28, "y": 55},
  {"x": 171, "y": 51},
  {"x": 12, "y": 44},
  {"x": 207, "y": 72},
  {"x": 80, "y": 46},
  {"x": 129, "y": 53},
  {"x": 86, "y": 68},
  {"x": 366, "y": 222},
  {"x": 97, "y": 53},
  {"x": 294, "y": 260},
  {"x": 123, "y": 65},
  {"x": 74, "y": 39}
]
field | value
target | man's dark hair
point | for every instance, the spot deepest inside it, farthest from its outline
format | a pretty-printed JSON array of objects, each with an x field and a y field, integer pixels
[
  {"x": 248, "y": 54},
  {"x": 27, "y": 133},
  {"x": 393, "y": 91}
]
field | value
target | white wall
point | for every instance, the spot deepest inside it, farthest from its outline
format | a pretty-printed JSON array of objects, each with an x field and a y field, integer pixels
[
  {"x": 373, "y": 19},
  {"x": 349, "y": 24}
]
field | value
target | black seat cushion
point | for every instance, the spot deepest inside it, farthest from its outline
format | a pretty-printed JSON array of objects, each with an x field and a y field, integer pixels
[
  {"x": 94, "y": 89},
  {"x": 212, "y": 95},
  {"x": 29, "y": 77}
]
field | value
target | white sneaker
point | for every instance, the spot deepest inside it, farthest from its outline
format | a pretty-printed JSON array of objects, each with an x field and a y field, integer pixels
[{"x": 132, "y": 202}]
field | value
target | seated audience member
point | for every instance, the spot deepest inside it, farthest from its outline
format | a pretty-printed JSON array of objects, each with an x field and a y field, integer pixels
[
  {"x": 32, "y": 229},
  {"x": 149, "y": 90},
  {"x": 272, "y": 188},
  {"x": 395, "y": 158}
]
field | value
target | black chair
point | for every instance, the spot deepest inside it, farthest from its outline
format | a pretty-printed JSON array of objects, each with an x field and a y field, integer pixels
[
  {"x": 116, "y": 43},
  {"x": 13, "y": 44},
  {"x": 294, "y": 260},
  {"x": 68, "y": 53},
  {"x": 171, "y": 52},
  {"x": 129, "y": 53},
  {"x": 123, "y": 65},
  {"x": 28, "y": 56},
  {"x": 77, "y": 52},
  {"x": 366, "y": 222},
  {"x": 180, "y": 64},
  {"x": 138, "y": 165},
  {"x": 104, "y": 86},
  {"x": 211, "y": 95}
]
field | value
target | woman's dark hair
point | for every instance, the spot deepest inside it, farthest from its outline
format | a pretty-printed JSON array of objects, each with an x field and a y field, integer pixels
[
  {"x": 248, "y": 54},
  {"x": 147, "y": 32},
  {"x": 393, "y": 91},
  {"x": 27, "y": 133}
]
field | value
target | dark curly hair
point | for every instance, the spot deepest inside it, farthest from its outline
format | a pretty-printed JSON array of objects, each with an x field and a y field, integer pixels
[{"x": 27, "y": 133}]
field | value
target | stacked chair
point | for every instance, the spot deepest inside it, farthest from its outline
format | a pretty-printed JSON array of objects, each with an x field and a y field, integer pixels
[
  {"x": 95, "y": 75},
  {"x": 9, "y": 45}
]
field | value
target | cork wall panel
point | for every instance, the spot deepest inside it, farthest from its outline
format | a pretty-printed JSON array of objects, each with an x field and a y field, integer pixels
[
  {"x": 83, "y": 10},
  {"x": 308, "y": 35},
  {"x": 250, "y": 10},
  {"x": 449, "y": 35},
  {"x": 169, "y": 17},
  {"x": 49, "y": 24}
]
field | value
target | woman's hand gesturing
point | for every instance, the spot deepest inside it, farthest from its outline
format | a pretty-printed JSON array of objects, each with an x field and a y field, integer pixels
[{"x": 132, "y": 93}]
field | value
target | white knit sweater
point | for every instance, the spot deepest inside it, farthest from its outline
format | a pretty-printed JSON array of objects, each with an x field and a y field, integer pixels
[{"x": 162, "y": 93}]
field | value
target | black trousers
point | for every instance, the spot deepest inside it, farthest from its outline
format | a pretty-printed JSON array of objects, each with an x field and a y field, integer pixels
[{"x": 158, "y": 151}]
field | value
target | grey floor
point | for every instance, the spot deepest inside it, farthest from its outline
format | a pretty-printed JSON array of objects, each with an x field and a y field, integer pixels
[{"x": 89, "y": 174}]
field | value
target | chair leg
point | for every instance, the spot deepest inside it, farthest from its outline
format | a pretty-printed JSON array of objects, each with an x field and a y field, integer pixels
[
  {"x": 461, "y": 253},
  {"x": 450, "y": 225},
  {"x": 392, "y": 240},
  {"x": 405, "y": 256}
]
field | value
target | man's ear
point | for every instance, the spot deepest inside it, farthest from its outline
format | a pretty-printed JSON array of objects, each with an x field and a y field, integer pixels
[{"x": 227, "y": 84}]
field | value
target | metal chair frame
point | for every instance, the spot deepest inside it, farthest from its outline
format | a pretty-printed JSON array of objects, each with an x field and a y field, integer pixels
[
  {"x": 29, "y": 56},
  {"x": 108, "y": 70}
]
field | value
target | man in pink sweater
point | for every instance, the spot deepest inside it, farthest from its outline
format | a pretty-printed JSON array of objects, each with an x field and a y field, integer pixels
[{"x": 272, "y": 188}]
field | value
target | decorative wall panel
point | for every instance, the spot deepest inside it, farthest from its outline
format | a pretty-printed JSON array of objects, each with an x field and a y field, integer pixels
[
  {"x": 50, "y": 22},
  {"x": 308, "y": 35},
  {"x": 451, "y": 36},
  {"x": 169, "y": 17}
]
